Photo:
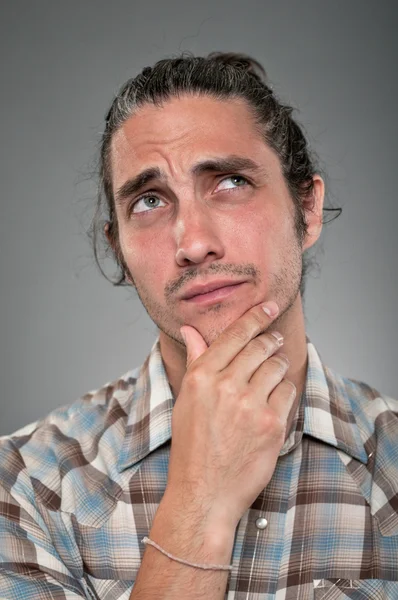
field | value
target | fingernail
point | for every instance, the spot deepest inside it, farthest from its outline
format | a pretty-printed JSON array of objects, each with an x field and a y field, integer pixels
[
  {"x": 271, "y": 308},
  {"x": 183, "y": 336},
  {"x": 284, "y": 358},
  {"x": 278, "y": 336}
]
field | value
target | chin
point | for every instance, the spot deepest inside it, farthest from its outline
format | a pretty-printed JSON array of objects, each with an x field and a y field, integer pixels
[{"x": 212, "y": 327}]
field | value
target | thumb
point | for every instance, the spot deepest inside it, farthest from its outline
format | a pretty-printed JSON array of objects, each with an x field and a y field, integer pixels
[{"x": 194, "y": 343}]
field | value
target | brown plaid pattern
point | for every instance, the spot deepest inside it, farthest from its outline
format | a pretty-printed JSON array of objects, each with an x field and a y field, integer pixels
[{"x": 80, "y": 488}]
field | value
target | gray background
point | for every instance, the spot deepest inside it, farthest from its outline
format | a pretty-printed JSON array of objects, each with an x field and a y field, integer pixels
[{"x": 64, "y": 329}]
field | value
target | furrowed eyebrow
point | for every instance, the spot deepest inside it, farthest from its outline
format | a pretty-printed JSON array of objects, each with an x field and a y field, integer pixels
[
  {"x": 135, "y": 184},
  {"x": 228, "y": 164}
]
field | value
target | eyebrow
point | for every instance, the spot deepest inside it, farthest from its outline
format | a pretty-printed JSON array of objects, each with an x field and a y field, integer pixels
[{"x": 229, "y": 164}]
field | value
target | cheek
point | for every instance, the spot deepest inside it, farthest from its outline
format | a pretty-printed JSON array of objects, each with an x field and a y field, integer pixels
[
  {"x": 262, "y": 237},
  {"x": 251, "y": 231},
  {"x": 146, "y": 254}
]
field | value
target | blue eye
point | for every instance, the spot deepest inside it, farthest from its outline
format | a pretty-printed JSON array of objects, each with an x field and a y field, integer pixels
[
  {"x": 239, "y": 181},
  {"x": 148, "y": 203}
]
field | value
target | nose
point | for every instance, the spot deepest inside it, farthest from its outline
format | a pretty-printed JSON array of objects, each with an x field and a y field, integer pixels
[{"x": 197, "y": 237}]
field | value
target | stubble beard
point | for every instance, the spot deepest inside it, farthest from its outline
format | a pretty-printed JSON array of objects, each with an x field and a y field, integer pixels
[{"x": 284, "y": 288}]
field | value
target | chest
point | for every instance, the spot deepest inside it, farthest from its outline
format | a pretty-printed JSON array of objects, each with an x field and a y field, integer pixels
[{"x": 309, "y": 534}]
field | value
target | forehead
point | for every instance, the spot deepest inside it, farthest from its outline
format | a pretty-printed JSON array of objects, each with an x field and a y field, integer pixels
[{"x": 183, "y": 130}]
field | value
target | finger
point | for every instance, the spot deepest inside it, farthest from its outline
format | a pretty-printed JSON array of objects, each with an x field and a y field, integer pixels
[
  {"x": 237, "y": 335},
  {"x": 282, "y": 398},
  {"x": 194, "y": 343},
  {"x": 269, "y": 374},
  {"x": 245, "y": 364}
]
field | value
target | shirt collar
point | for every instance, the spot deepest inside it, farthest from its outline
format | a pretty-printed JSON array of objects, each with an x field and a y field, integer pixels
[
  {"x": 149, "y": 417},
  {"x": 324, "y": 412}
]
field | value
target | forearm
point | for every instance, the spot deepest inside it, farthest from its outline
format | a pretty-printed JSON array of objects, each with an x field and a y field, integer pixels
[{"x": 187, "y": 535}]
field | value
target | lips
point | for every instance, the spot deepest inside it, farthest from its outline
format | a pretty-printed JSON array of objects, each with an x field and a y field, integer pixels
[{"x": 198, "y": 290}]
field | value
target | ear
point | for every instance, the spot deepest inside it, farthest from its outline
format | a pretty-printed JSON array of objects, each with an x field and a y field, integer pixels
[
  {"x": 112, "y": 245},
  {"x": 107, "y": 234},
  {"x": 313, "y": 207}
]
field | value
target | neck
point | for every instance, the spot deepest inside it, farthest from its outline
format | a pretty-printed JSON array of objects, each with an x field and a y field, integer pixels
[{"x": 290, "y": 324}]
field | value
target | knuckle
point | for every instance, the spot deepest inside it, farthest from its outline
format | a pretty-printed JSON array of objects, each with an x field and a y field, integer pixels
[
  {"x": 245, "y": 405},
  {"x": 194, "y": 375},
  {"x": 226, "y": 386},
  {"x": 281, "y": 362},
  {"x": 259, "y": 344},
  {"x": 276, "y": 338},
  {"x": 272, "y": 424},
  {"x": 258, "y": 320},
  {"x": 268, "y": 420},
  {"x": 284, "y": 359},
  {"x": 239, "y": 333},
  {"x": 245, "y": 329}
]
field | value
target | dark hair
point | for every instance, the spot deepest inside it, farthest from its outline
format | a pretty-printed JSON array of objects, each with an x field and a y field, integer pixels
[{"x": 220, "y": 76}]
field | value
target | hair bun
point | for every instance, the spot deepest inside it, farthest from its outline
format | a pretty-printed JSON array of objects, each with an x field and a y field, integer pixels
[{"x": 241, "y": 61}]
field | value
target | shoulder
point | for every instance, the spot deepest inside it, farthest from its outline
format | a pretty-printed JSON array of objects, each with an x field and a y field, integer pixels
[
  {"x": 69, "y": 436},
  {"x": 376, "y": 416},
  {"x": 371, "y": 407}
]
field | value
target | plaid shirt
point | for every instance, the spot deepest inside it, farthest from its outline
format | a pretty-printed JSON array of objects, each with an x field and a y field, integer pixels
[{"x": 80, "y": 490}]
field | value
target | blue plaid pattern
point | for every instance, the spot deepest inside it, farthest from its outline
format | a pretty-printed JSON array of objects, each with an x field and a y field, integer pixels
[{"x": 80, "y": 489}]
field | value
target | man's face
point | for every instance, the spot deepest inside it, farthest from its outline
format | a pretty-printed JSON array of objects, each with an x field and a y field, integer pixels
[{"x": 201, "y": 222}]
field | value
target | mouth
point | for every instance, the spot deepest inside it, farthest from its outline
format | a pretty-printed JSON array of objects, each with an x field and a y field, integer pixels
[{"x": 216, "y": 294}]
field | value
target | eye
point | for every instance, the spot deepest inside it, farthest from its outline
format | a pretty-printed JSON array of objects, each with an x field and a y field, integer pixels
[
  {"x": 146, "y": 203},
  {"x": 238, "y": 181}
]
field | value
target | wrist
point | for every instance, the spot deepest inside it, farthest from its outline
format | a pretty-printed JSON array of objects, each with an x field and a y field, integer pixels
[
  {"x": 190, "y": 531},
  {"x": 199, "y": 510}
]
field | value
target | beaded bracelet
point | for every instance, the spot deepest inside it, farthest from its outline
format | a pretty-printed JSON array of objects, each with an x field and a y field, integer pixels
[{"x": 146, "y": 540}]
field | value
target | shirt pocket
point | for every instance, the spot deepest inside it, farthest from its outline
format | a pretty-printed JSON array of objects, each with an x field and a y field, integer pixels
[{"x": 355, "y": 589}]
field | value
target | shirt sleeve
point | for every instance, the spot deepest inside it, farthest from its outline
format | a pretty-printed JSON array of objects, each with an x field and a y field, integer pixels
[{"x": 30, "y": 566}]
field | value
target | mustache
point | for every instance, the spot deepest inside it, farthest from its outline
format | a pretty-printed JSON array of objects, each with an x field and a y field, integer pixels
[{"x": 249, "y": 270}]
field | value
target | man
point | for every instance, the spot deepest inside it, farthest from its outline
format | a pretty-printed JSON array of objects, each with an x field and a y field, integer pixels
[{"x": 232, "y": 464}]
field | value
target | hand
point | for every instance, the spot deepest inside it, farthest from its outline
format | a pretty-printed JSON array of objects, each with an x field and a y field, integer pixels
[{"x": 229, "y": 420}]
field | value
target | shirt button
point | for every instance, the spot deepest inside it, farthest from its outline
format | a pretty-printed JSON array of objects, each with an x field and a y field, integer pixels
[{"x": 261, "y": 523}]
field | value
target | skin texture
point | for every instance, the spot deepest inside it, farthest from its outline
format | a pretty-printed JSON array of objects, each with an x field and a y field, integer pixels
[
  {"x": 197, "y": 228},
  {"x": 234, "y": 397}
]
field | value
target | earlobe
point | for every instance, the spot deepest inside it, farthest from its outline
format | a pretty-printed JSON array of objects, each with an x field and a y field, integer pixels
[
  {"x": 314, "y": 213},
  {"x": 109, "y": 237},
  {"x": 106, "y": 232},
  {"x": 115, "y": 250}
]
